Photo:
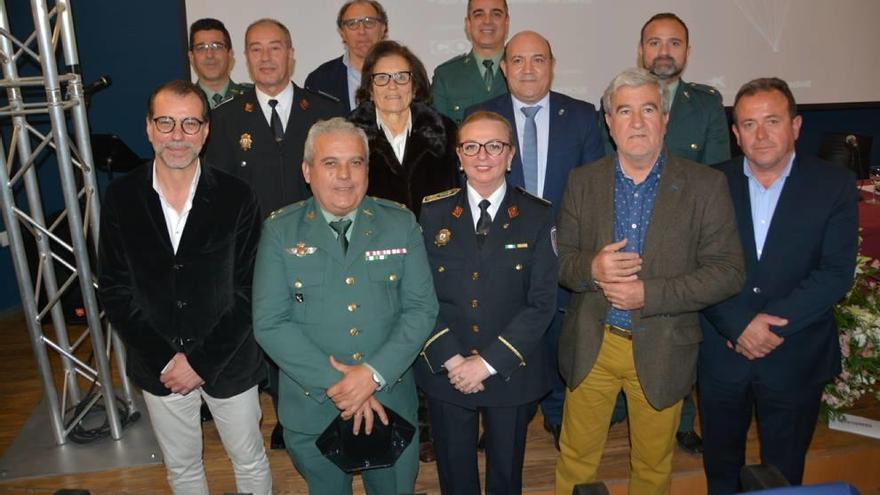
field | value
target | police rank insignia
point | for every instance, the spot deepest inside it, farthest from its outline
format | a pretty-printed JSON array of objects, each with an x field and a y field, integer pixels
[
  {"x": 513, "y": 211},
  {"x": 245, "y": 141},
  {"x": 442, "y": 238},
  {"x": 301, "y": 250},
  {"x": 304, "y": 104},
  {"x": 456, "y": 212},
  {"x": 249, "y": 107}
]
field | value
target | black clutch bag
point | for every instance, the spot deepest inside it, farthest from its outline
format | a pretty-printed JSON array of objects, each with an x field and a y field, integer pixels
[{"x": 379, "y": 449}]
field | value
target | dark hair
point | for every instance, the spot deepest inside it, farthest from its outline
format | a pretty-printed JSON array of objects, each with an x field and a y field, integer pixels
[
  {"x": 485, "y": 115},
  {"x": 209, "y": 24},
  {"x": 380, "y": 11},
  {"x": 387, "y": 48},
  {"x": 274, "y": 22},
  {"x": 506, "y": 10},
  {"x": 180, "y": 87},
  {"x": 665, "y": 16},
  {"x": 766, "y": 85}
]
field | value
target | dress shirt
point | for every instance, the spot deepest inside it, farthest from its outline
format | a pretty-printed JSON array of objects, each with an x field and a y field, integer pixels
[
  {"x": 354, "y": 80},
  {"x": 398, "y": 142},
  {"x": 542, "y": 121},
  {"x": 671, "y": 89},
  {"x": 285, "y": 101},
  {"x": 209, "y": 93},
  {"x": 633, "y": 205},
  {"x": 174, "y": 221},
  {"x": 496, "y": 59},
  {"x": 763, "y": 201}
]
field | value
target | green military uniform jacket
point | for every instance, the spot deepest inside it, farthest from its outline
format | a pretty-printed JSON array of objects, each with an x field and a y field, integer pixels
[
  {"x": 232, "y": 90},
  {"x": 458, "y": 85},
  {"x": 374, "y": 305},
  {"x": 697, "y": 128}
]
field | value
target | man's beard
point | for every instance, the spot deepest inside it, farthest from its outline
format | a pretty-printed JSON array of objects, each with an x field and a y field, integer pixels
[
  {"x": 175, "y": 162},
  {"x": 666, "y": 68}
]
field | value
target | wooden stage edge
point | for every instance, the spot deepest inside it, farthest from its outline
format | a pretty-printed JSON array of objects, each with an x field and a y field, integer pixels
[{"x": 833, "y": 456}]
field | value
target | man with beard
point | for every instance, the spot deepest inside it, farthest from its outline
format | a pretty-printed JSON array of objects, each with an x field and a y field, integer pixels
[
  {"x": 177, "y": 248},
  {"x": 210, "y": 55},
  {"x": 361, "y": 24}
]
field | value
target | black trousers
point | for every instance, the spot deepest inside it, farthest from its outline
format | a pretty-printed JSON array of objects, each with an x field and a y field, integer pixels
[
  {"x": 786, "y": 421},
  {"x": 456, "y": 429}
]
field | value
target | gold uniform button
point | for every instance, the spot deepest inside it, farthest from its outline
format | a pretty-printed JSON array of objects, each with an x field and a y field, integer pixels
[
  {"x": 392, "y": 277},
  {"x": 356, "y": 356},
  {"x": 475, "y": 276},
  {"x": 441, "y": 269},
  {"x": 307, "y": 393},
  {"x": 352, "y": 307},
  {"x": 693, "y": 146},
  {"x": 456, "y": 108},
  {"x": 476, "y": 328},
  {"x": 354, "y": 332},
  {"x": 475, "y": 303},
  {"x": 298, "y": 284},
  {"x": 518, "y": 267},
  {"x": 349, "y": 280}
]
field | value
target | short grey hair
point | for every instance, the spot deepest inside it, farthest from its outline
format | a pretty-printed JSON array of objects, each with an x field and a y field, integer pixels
[
  {"x": 333, "y": 126},
  {"x": 635, "y": 78}
]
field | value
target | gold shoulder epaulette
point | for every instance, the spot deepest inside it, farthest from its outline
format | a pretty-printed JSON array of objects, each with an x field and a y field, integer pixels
[
  {"x": 441, "y": 195},
  {"x": 285, "y": 209}
]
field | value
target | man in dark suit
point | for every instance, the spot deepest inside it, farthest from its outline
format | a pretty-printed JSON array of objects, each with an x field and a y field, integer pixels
[
  {"x": 177, "y": 247},
  {"x": 646, "y": 240},
  {"x": 361, "y": 24},
  {"x": 259, "y": 136},
  {"x": 472, "y": 78},
  {"x": 495, "y": 272},
  {"x": 554, "y": 135},
  {"x": 774, "y": 346},
  {"x": 211, "y": 56}
]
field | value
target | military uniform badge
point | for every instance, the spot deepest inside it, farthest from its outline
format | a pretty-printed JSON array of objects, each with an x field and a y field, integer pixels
[
  {"x": 245, "y": 141},
  {"x": 513, "y": 211},
  {"x": 301, "y": 250},
  {"x": 304, "y": 104},
  {"x": 442, "y": 238},
  {"x": 456, "y": 212},
  {"x": 248, "y": 107}
]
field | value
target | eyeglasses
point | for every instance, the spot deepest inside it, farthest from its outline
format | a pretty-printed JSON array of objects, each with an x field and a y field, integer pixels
[
  {"x": 189, "y": 125},
  {"x": 493, "y": 148},
  {"x": 214, "y": 45},
  {"x": 383, "y": 78},
  {"x": 367, "y": 22}
]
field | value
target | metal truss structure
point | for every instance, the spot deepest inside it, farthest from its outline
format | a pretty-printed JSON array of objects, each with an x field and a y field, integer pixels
[{"x": 68, "y": 139}]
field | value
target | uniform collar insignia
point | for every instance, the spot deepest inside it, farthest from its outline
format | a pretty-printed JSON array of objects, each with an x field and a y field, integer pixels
[
  {"x": 457, "y": 211},
  {"x": 248, "y": 107},
  {"x": 513, "y": 212},
  {"x": 310, "y": 215},
  {"x": 304, "y": 104},
  {"x": 368, "y": 212}
]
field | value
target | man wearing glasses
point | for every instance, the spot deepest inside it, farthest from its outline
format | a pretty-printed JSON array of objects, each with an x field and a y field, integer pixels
[
  {"x": 360, "y": 23},
  {"x": 210, "y": 55},
  {"x": 177, "y": 248}
]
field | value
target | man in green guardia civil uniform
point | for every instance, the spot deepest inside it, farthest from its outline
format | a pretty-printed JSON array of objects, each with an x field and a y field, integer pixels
[
  {"x": 343, "y": 301},
  {"x": 212, "y": 58},
  {"x": 467, "y": 80}
]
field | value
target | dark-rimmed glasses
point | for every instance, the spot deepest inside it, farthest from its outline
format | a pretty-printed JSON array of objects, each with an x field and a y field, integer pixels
[
  {"x": 383, "y": 78},
  {"x": 189, "y": 125},
  {"x": 493, "y": 148},
  {"x": 367, "y": 22},
  {"x": 214, "y": 45}
]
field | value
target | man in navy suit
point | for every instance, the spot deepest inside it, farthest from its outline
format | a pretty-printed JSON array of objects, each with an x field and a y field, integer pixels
[
  {"x": 554, "y": 134},
  {"x": 774, "y": 346},
  {"x": 361, "y": 24}
]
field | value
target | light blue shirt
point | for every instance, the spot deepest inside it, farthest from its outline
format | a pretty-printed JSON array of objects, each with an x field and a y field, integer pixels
[
  {"x": 542, "y": 121},
  {"x": 763, "y": 201},
  {"x": 354, "y": 80}
]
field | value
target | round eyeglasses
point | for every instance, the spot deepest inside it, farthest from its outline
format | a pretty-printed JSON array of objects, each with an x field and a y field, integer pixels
[
  {"x": 367, "y": 22},
  {"x": 189, "y": 125},
  {"x": 493, "y": 148},
  {"x": 383, "y": 78}
]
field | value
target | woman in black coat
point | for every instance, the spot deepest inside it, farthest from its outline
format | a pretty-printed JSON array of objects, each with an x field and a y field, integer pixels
[{"x": 412, "y": 146}]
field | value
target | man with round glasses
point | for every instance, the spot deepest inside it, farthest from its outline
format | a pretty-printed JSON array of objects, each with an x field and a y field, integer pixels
[
  {"x": 177, "y": 249},
  {"x": 361, "y": 24},
  {"x": 212, "y": 59}
]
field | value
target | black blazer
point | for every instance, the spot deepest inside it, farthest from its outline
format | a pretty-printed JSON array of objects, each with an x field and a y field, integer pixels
[
  {"x": 497, "y": 300},
  {"x": 807, "y": 266},
  {"x": 429, "y": 166},
  {"x": 330, "y": 78},
  {"x": 197, "y": 301},
  {"x": 241, "y": 143}
]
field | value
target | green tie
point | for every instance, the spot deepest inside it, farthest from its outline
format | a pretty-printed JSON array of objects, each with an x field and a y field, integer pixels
[
  {"x": 341, "y": 227},
  {"x": 489, "y": 76}
]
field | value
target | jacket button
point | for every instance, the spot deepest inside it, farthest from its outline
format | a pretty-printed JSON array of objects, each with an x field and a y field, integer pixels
[
  {"x": 456, "y": 108},
  {"x": 307, "y": 393},
  {"x": 475, "y": 303},
  {"x": 518, "y": 267},
  {"x": 756, "y": 290},
  {"x": 356, "y": 356},
  {"x": 349, "y": 280},
  {"x": 352, "y": 307},
  {"x": 298, "y": 284},
  {"x": 181, "y": 304},
  {"x": 243, "y": 164},
  {"x": 177, "y": 266},
  {"x": 475, "y": 276},
  {"x": 392, "y": 277},
  {"x": 476, "y": 328},
  {"x": 353, "y": 332},
  {"x": 441, "y": 269},
  {"x": 694, "y": 146}
]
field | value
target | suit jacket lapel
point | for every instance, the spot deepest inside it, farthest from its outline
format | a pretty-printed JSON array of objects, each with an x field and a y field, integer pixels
[
  {"x": 788, "y": 206},
  {"x": 603, "y": 196},
  {"x": 739, "y": 189},
  {"x": 154, "y": 209},
  {"x": 507, "y": 211},
  {"x": 664, "y": 217},
  {"x": 556, "y": 139},
  {"x": 515, "y": 177},
  {"x": 198, "y": 222},
  {"x": 295, "y": 123}
]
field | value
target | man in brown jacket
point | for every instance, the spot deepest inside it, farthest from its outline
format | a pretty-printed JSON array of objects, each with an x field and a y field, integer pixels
[{"x": 646, "y": 240}]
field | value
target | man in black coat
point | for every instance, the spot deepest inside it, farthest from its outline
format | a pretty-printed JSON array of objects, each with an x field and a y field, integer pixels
[{"x": 177, "y": 248}]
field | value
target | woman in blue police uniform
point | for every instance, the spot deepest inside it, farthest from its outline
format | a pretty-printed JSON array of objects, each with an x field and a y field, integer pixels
[{"x": 495, "y": 272}]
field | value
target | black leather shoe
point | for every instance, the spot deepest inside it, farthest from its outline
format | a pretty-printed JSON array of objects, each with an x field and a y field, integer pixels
[
  {"x": 690, "y": 442},
  {"x": 554, "y": 430},
  {"x": 276, "y": 441},
  {"x": 205, "y": 413}
]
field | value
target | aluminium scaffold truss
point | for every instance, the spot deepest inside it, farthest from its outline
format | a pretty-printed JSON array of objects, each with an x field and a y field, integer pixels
[{"x": 53, "y": 32}]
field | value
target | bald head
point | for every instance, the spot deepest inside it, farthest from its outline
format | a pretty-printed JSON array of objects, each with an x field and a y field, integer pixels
[{"x": 528, "y": 66}]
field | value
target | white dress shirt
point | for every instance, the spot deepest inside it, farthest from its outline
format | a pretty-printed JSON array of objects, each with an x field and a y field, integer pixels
[
  {"x": 398, "y": 142},
  {"x": 285, "y": 101},
  {"x": 542, "y": 121},
  {"x": 174, "y": 221}
]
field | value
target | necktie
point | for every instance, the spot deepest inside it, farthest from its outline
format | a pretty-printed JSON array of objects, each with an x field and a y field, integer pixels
[
  {"x": 341, "y": 227},
  {"x": 530, "y": 150},
  {"x": 217, "y": 98},
  {"x": 484, "y": 222},
  {"x": 277, "y": 128},
  {"x": 489, "y": 76}
]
